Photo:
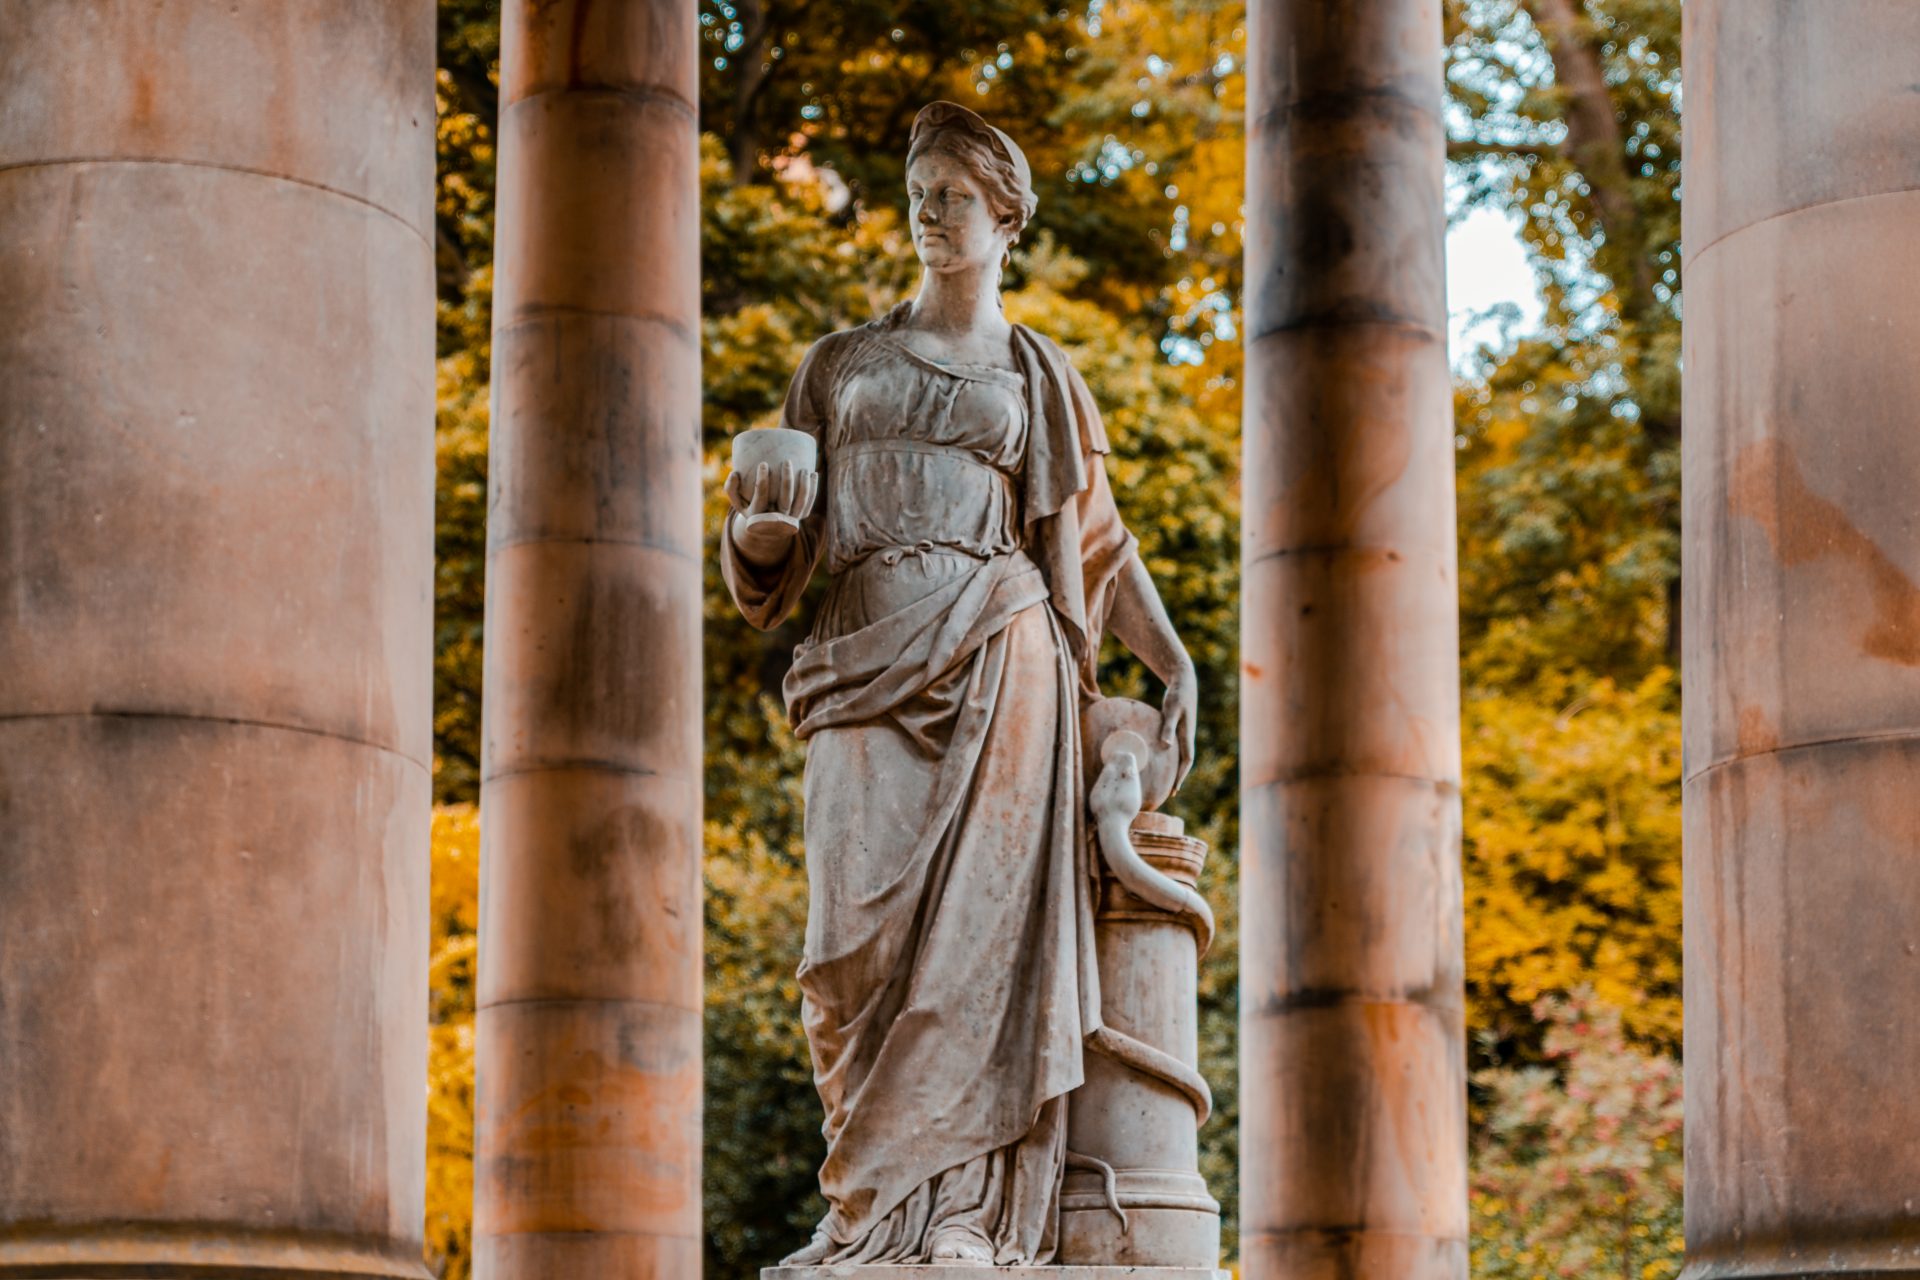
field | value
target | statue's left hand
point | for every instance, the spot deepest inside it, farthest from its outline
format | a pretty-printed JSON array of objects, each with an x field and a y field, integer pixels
[{"x": 1178, "y": 713}]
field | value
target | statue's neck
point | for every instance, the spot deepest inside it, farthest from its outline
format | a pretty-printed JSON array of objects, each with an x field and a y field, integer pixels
[{"x": 959, "y": 302}]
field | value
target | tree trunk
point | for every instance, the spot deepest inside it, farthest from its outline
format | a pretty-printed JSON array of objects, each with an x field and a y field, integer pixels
[
  {"x": 750, "y": 64},
  {"x": 1595, "y": 141}
]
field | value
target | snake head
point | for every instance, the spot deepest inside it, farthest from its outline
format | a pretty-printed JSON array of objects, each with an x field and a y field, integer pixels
[
  {"x": 1109, "y": 721},
  {"x": 1117, "y": 792}
]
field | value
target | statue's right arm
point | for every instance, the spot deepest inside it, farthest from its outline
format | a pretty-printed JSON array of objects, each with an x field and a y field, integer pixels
[{"x": 776, "y": 531}]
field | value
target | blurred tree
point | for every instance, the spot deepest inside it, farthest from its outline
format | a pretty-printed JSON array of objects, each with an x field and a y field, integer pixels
[
  {"x": 845, "y": 82},
  {"x": 1577, "y": 1167},
  {"x": 455, "y": 908},
  {"x": 467, "y": 98},
  {"x": 1566, "y": 113},
  {"x": 1575, "y": 815},
  {"x": 1121, "y": 107},
  {"x": 763, "y": 1142}
]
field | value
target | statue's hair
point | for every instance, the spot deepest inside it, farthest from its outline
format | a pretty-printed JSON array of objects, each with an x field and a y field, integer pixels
[{"x": 1010, "y": 201}]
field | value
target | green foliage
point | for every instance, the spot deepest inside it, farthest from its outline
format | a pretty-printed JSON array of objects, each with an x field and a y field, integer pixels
[
  {"x": 763, "y": 1140},
  {"x": 467, "y": 101},
  {"x": 1127, "y": 111},
  {"x": 459, "y": 569},
  {"x": 1565, "y": 112},
  {"x": 1569, "y": 534},
  {"x": 1602, "y": 222},
  {"x": 1577, "y": 1167}
]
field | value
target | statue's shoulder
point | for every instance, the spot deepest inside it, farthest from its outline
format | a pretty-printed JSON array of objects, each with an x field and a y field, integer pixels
[
  {"x": 831, "y": 349},
  {"x": 827, "y": 354},
  {"x": 834, "y": 343},
  {"x": 1048, "y": 350}
]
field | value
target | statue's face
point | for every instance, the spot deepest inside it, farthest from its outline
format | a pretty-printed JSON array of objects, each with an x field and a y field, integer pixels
[{"x": 953, "y": 224}]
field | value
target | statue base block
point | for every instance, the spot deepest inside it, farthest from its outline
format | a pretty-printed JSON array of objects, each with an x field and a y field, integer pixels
[{"x": 890, "y": 1271}]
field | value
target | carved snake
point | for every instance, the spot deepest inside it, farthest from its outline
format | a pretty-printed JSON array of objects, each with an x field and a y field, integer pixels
[{"x": 1116, "y": 800}]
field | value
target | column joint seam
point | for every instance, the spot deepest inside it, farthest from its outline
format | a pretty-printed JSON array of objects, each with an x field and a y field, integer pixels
[
  {"x": 1696, "y": 255},
  {"x": 588, "y": 766},
  {"x": 1444, "y": 785},
  {"x": 58, "y": 161},
  {"x": 508, "y": 542},
  {"x": 1891, "y": 735},
  {"x": 1342, "y": 548},
  {"x": 1282, "y": 1006},
  {"x": 596, "y": 1233},
  {"x": 1346, "y": 322},
  {"x": 244, "y": 722},
  {"x": 1264, "y": 120},
  {"x": 529, "y": 314},
  {"x": 650, "y": 94},
  {"x": 691, "y": 1010},
  {"x": 1363, "y": 1231}
]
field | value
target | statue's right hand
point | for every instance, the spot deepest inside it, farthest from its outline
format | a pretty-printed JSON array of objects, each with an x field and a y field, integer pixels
[{"x": 767, "y": 517}]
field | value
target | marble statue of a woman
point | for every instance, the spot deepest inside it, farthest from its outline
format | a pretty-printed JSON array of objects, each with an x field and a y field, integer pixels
[{"x": 976, "y": 557}]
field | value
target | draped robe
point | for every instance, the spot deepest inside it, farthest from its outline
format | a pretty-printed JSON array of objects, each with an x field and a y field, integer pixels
[{"x": 949, "y": 976}]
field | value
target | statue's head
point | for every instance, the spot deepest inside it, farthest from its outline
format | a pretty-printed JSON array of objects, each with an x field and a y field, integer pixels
[{"x": 969, "y": 189}]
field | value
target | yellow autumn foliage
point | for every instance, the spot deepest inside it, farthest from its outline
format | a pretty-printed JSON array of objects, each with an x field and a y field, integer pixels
[
  {"x": 456, "y": 921},
  {"x": 1572, "y": 853}
]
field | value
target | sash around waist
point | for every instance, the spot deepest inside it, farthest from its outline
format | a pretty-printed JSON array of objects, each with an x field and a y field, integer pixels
[
  {"x": 858, "y": 676},
  {"x": 854, "y": 448}
]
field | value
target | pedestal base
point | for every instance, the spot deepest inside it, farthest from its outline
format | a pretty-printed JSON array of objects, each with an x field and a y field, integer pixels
[
  {"x": 887, "y": 1271},
  {"x": 1154, "y": 1238}
]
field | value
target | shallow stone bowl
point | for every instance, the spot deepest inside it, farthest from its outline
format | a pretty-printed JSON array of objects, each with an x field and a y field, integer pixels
[
  {"x": 1106, "y": 717},
  {"x": 773, "y": 446}
]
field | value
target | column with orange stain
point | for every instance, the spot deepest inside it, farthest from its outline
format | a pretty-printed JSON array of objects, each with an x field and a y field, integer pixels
[
  {"x": 588, "y": 1160},
  {"x": 1801, "y": 578},
  {"x": 1353, "y": 1130}
]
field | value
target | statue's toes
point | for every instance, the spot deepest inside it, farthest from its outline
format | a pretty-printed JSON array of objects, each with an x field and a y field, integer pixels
[
  {"x": 960, "y": 1249},
  {"x": 815, "y": 1251}
]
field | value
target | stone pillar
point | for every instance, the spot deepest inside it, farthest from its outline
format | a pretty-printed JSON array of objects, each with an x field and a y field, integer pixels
[
  {"x": 590, "y": 981},
  {"x": 1802, "y": 630},
  {"x": 216, "y": 542},
  {"x": 1133, "y": 1195},
  {"x": 1353, "y": 1131}
]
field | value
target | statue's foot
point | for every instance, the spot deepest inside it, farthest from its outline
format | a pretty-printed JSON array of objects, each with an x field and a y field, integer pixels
[
  {"x": 814, "y": 1253},
  {"x": 960, "y": 1248}
]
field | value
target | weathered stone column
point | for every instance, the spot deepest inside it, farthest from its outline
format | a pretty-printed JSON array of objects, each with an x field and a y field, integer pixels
[
  {"x": 216, "y": 541},
  {"x": 1802, "y": 627},
  {"x": 589, "y": 1025},
  {"x": 1353, "y": 1131}
]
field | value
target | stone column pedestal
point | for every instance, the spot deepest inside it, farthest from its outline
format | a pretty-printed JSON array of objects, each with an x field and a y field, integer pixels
[{"x": 1139, "y": 1114}]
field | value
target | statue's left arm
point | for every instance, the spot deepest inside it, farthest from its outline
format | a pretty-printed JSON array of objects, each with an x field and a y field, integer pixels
[
  {"x": 1132, "y": 608},
  {"x": 1139, "y": 619}
]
